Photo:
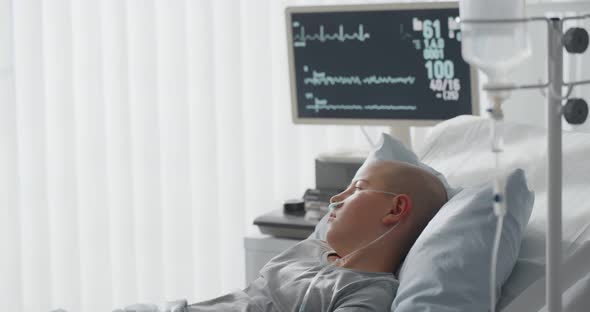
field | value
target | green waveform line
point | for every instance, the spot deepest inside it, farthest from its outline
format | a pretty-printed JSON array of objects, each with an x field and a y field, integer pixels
[
  {"x": 301, "y": 38},
  {"x": 320, "y": 78}
]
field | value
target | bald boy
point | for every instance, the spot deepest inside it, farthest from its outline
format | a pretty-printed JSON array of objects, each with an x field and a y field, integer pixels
[
  {"x": 365, "y": 214},
  {"x": 389, "y": 200}
]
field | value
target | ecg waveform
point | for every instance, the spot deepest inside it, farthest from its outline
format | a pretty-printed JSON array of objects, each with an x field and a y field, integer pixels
[
  {"x": 320, "y": 78},
  {"x": 301, "y": 37},
  {"x": 322, "y": 104}
]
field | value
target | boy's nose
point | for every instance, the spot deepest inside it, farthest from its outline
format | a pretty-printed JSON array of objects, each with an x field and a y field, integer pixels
[
  {"x": 334, "y": 205},
  {"x": 338, "y": 197},
  {"x": 335, "y": 198}
]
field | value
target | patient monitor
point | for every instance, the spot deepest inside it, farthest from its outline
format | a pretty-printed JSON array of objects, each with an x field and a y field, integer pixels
[{"x": 398, "y": 65}]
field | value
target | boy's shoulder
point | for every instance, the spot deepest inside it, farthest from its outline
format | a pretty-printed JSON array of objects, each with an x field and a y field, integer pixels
[
  {"x": 306, "y": 253},
  {"x": 314, "y": 242}
]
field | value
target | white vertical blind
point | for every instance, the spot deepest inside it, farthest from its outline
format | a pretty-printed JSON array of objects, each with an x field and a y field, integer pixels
[
  {"x": 175, "y": 147},
  {"x": 139, "y": 140},
  {"x": 257, "y": 102},
  {"x": 62, "y": 159},
  {"x": 35, "y": 274},
  {"x": 90, "y": 152},
  {"x": 227, "y": 95},
  {"x": 10, "y": 238},
  {"x": 205, "y": 247},
  {"x": 145, "y": 148},
  {"x": 117, "y": 112}
]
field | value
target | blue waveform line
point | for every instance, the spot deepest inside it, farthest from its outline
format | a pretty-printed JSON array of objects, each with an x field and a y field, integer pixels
[
  {"x": 334, "y": 107},
  {"x": 320, "y": 78},
  {"x": 390, "y": 107},
  {"x": 301, "y": 38},
  {"x": 322, "y": 104}
]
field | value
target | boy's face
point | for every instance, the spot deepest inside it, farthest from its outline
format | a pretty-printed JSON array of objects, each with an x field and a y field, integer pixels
[{"x": 361, "y": 216}]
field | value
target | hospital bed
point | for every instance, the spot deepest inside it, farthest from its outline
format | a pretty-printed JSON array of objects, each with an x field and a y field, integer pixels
[{"x": 459, "y": 148}]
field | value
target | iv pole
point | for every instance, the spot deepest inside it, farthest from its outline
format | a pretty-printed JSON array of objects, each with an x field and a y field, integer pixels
[
  {"x": 554, "y": 174},
  {"x": 555, "y": 45}
]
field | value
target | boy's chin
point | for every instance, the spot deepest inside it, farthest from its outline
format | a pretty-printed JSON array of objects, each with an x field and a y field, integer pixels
[
  {"x": 332, "y": 235},
  {"x": 329, "y": 235}
]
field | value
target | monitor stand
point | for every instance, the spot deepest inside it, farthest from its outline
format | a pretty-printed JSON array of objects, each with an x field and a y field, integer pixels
[{"x": 402, "y": 133}]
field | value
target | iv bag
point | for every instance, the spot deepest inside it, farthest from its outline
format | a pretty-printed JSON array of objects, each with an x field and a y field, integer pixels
[{"x": 495, "y": 48}]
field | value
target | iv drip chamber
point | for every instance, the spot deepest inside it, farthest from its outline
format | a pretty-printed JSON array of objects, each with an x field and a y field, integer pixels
[{"x": 495, "y": 48}]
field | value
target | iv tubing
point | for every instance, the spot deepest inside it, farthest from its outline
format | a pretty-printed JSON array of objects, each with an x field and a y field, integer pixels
[
  {"x": 495, "y": 263},
  {"x": 497, "y": 116}
]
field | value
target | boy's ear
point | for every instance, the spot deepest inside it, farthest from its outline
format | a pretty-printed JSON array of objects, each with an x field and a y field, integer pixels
[{"x": 401, "y": 205}]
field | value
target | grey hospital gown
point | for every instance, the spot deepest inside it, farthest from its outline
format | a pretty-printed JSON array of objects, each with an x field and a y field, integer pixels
[{"x": 284, "y": 280}]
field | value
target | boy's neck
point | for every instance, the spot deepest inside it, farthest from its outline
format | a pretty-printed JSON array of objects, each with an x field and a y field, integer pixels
[{"x": 375, "y": 258}]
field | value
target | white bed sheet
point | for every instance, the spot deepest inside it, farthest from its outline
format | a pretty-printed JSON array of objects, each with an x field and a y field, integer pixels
[{"x": 460, "y": 149}]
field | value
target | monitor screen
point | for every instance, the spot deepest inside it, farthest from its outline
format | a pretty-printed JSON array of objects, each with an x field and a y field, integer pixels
[{"x": 375, "y": 64}]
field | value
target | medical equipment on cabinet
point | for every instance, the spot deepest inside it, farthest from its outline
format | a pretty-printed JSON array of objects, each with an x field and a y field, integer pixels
[
  {"x": 298, "y": 217},
  {"x": 487, "y": 25}
]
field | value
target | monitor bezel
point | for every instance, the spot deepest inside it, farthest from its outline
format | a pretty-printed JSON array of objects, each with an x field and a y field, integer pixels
[{"x": 475, "y": 109}]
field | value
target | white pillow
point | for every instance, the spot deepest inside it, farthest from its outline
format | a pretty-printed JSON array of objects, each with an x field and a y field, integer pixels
[
  {"x": 460, "y": 149},
  {"x": 389, "y": 148},
  {"x": 447, "y": 268}
]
